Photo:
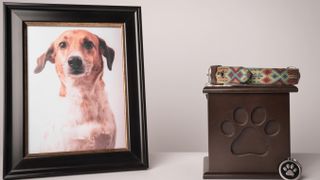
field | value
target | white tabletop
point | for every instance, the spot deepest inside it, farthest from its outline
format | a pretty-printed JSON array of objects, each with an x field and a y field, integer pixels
[{"x": 185, "y": 166}]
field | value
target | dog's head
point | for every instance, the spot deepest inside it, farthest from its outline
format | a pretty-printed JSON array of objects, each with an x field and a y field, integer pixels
[{"x": 77, "y": 53}]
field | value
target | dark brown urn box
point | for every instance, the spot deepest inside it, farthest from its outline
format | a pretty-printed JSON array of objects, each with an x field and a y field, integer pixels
[{"x": 249, "y": 131}]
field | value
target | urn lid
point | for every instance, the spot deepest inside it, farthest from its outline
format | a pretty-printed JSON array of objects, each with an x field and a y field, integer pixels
[{"x": 249, "y": 89}]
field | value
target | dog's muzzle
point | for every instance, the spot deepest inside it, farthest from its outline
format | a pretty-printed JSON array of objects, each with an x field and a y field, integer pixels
[{"x": 75, "y": 65}]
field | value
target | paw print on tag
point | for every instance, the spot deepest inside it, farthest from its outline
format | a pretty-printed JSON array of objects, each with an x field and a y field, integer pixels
[
  {"x": 250, "y": 131},
  {"x": 290, "y": 169}
]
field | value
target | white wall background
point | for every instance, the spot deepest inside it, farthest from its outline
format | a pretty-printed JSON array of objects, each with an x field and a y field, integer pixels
[{"x": 182, "y": 38}]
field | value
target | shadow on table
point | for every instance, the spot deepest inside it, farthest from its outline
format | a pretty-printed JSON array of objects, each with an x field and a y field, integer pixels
[
  {"x": 308, "y": 162},
  {"x": 156, "y": 159}
]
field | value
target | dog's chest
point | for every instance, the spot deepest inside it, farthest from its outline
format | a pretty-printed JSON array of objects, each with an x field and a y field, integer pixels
[{"x": 82, "y": 108}]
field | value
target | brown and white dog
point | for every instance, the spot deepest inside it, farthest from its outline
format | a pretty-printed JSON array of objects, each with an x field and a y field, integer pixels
[{"x": 77, "y": 55}]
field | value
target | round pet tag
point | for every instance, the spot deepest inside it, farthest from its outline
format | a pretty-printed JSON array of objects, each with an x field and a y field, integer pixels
[{"x": 290, "y": 169}]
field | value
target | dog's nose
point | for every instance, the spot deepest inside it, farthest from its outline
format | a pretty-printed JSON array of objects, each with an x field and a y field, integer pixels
[{"x": 75, "y": 62}]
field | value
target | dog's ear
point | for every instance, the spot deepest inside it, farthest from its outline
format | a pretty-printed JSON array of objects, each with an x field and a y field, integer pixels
[
  {"x": 107, "y": 52},
  {"x": 41, "y": 61}
]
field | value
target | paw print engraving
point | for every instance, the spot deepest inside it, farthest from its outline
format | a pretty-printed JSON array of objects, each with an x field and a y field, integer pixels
[
  {"x": 250, "y": 132},
  {"x": 290, "y": 169}
]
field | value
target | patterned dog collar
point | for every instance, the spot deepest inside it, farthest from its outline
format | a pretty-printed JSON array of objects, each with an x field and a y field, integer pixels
[{"x": 253, "y": 76}]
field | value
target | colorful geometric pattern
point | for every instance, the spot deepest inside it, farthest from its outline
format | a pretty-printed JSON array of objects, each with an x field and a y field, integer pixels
[
  {"x": 232, "y": 75},
  {"x": 276, "y": 76},
  {"x": 256, "y": 76}
]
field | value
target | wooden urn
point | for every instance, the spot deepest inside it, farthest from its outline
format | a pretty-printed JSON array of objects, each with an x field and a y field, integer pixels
[{"x": 249, "y": 131}]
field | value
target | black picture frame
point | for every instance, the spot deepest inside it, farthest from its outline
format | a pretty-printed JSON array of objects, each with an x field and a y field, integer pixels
[{"x": 15, "y": 164}]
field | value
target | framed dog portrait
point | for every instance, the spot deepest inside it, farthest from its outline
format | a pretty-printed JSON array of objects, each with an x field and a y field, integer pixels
[{"x": 74, "y": 90}]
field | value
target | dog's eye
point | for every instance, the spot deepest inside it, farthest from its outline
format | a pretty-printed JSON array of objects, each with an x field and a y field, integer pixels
[
  {"x": 62, "y": 45},
  {"x": 88, "y": 44}
]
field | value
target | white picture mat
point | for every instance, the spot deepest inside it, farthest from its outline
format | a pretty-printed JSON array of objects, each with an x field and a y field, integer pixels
[{"x": 45, "y": 104}]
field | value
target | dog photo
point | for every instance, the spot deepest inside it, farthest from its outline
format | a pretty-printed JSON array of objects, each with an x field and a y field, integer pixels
[{"x": 77, "y": 94}]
